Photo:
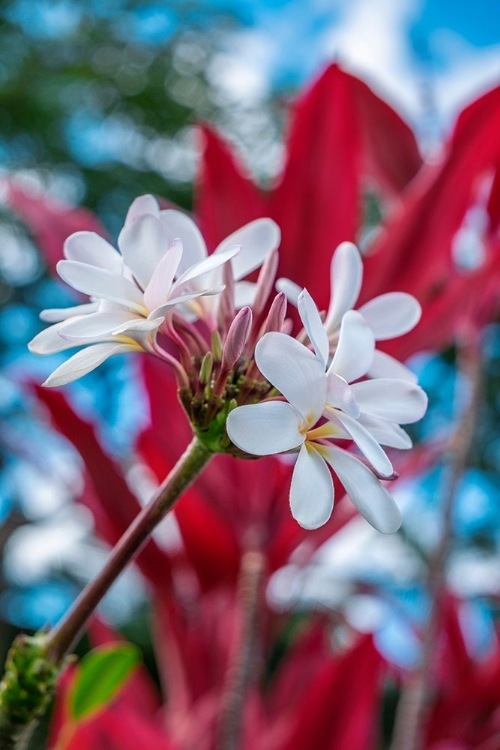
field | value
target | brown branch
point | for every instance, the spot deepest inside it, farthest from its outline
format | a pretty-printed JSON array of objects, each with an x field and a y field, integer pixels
[
  {"x": 241, "y": 663},
  {"x": 414, "y": 704}
]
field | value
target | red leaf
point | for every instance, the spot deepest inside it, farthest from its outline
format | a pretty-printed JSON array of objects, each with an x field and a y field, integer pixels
[
  {"x": 390, "y": 147},
  {"x": 116, "y": 502},
  {"x": 49, "y": 222},
  {"x": 317, "y": 203},
  {"x": 341, "y": 707},
  {"x": 340, "y": 133},
  {"x": 413, "y": 253},
  {"x": 225, "y": 198}
]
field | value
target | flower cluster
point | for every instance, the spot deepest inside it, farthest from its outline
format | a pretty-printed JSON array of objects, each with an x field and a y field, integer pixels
[{"x": 249, "y": 387}]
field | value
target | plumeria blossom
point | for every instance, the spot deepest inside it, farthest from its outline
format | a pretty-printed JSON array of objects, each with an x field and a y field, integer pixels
[
  {"x": 324, "y": 405},
  {"x": 257, "y": 240},
  {"x": 131, "y": 291},
  {"x": 388, "y": 315}
]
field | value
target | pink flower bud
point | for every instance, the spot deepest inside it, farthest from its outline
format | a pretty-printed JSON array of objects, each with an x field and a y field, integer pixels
[
  {"x": 276, "y": 315},
  {"x": 236, "y": 339}
]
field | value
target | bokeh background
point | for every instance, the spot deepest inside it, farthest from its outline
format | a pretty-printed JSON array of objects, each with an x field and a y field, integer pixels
[{"x": 99, "y": 103}]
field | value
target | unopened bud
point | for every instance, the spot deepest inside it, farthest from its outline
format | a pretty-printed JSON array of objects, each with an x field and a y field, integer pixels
[
  {"x": 236, "y": 339},
  {"x": 216, "y": 346},
  {"x": 265, "y": 282},
  {"x": 276, "y": 315},
  {"x": 206, "y": 368}
]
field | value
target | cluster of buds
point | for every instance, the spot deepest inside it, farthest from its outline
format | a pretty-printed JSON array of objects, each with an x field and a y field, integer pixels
[
  {"x": 248, "y": 386},
  {"x": 216, "y": 381}
]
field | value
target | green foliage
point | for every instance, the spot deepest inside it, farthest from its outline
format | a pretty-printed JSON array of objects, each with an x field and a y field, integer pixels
[{"x": 100, "y": 675}]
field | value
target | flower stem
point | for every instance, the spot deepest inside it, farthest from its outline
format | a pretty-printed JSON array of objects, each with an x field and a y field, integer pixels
[
  {"x": 34, "y": 663},
  {"x": 241, "y": 665},
  {"x": 414, "y": 706}
]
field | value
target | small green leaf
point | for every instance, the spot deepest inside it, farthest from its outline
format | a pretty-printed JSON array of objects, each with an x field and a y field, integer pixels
[{"x": 101, "y": 673}]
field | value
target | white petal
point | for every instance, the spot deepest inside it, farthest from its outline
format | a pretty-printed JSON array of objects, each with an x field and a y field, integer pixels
[
  {"x": 138, "y": 324},
  {"x": 257, "y": 239},
  {"x": 366, "y": 443},
  {"x": 311, "y": 491},
  {"x": 391, "y": 314},
  {"x": 57, "y": 315},
  {"x": 244, "y": 294},
  {"x": 386, "y": 433},
  {"x": 96, "y": 325},
  {"x": 295, "y": 371},
  {"x": 393, "y": 400},
  {"x": 158, "y": 290},
  {"x": 143, "y": 243},
  {"x": 266, "y": 428},
  {"x": 385, "y": 366},
  {"x": 207, "y": 265},
  {"x": 313, "y": 324},
  {"x": 100, "y": 283},
  {"x": 85, "y": 361},
  {"x": 89, "y": 247},
  {"x": 366, "y": 492},
  {"x": 49, "y": 341},
  {"x": 181, "y": 298},
  {"x": 179, "y": 224},
  {"x": 339, "y": 394},
  {"x": 354, "y": 353},
  {"x": 290, "y": 289},
  {"x": 346, "y": 275},
  {"x": 144, "y": 204}
]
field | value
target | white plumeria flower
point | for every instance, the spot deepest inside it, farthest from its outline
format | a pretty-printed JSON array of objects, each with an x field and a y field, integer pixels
[
  {"x": 388, "y": 315},
  {"x": 257, "y": 239},
  {"x": 352, "y": 360},
  {"x": 131, "y": 294},
  {"x": 298, "y": 424}
]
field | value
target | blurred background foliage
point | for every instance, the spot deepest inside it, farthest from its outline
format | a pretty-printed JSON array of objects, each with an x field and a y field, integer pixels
[{"x": 98, "y": 104}]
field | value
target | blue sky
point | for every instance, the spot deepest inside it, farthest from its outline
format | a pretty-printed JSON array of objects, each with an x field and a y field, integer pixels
[{"x": 405, "y": 48}]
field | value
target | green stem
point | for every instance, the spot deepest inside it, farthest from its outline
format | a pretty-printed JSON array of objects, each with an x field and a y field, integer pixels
[{"x": 35, "y": 663}]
